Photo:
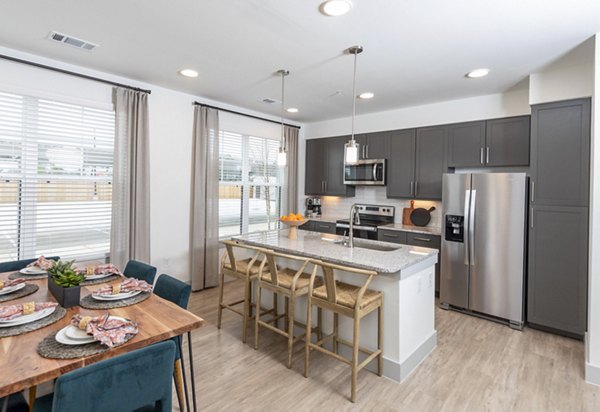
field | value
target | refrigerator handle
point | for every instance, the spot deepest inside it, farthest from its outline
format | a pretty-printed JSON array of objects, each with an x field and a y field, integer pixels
[
  {"x": 466, "y": 227},
  {"x": 472, "y": 226}
]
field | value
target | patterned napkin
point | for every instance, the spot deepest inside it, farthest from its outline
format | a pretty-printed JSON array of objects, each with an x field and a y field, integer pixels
[
  {"x": 129, "y": 285},
  {"x": 105, "y": 269},
  {"x": 8, "y": 283},
  {"x": 105, "y": 329},
  {"x": 42, "y": 263},
  {"x": 14, "y": 311}
]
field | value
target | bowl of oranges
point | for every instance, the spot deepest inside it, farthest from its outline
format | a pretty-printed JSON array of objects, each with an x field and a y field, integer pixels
[{"x": 293, "y": 220}]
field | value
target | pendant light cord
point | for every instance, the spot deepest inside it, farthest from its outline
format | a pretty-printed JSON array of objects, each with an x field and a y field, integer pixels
[
  {"x": 354, "y": 96},
  {"x": 282, "y": 143}
]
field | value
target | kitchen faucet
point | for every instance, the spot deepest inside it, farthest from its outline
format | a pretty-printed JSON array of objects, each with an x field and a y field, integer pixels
[{"x": 353, "y": 215}]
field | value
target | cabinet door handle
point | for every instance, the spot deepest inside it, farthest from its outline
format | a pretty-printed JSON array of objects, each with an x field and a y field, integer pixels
[
  {"x": 367, "y": 156},
  {"x": 531, "y": 218},
  {"x": 322, "y": 186},
  {"x": 422, "y": 239},
  {"x": 481, "y": 155},
  {"x": 324, "y": 226},
  {"x": 411, "y": 187},
  {"x": 532, "y": 191},
  {"x": 390, "y": 235},
  {"x": 487, "y": 155},
  {"x": 416, "y": 187}
]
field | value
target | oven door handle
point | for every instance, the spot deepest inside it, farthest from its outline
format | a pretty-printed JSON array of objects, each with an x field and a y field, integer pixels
[{"x": 347, "y": 226}]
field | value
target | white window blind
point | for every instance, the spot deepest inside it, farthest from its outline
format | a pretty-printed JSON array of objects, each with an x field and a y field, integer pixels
[
  {"x": 55, "y": 178},
  {"x": 250, "y": 184}
]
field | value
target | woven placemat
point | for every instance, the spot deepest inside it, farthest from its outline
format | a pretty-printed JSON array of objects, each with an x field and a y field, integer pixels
[
  {"x": 101, "y": 280},
  {"x": 57, "y": 315},
  {"x": 16, "y": 275},
  {"x": 89, "y": 302},
  {"x": 50, "y": 348},
  {"x": 27, "y": 290}
]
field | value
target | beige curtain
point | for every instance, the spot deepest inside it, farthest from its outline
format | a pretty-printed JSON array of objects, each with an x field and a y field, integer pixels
[
  {"x": 130, "y": 224},
  {"x": 290, "y": 144},
  {"x": 204, "y": 220}
]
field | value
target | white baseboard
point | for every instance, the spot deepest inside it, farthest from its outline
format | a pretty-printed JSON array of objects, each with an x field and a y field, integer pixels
[{"x": 592, "y": 374}]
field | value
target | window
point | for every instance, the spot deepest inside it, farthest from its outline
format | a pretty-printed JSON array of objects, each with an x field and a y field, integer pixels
[
  {"x": 249, "y": 184},
  {"x": 55, "y": 178}
]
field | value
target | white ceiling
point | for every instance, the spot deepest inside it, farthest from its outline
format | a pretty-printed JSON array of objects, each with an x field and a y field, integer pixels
[{"x": 416, "y": 51}]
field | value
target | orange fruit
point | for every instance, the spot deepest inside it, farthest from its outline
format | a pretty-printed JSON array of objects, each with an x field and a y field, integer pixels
[
  {"x": 299, "y": 216},
  {"x": 284, "y": 217}
]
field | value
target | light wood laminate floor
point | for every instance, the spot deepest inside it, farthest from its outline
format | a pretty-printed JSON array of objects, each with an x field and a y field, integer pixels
[{"x": 478, "y": 365}]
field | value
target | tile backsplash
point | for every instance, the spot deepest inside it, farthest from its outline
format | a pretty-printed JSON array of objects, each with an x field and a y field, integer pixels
[{"x": 340, "y": 206}]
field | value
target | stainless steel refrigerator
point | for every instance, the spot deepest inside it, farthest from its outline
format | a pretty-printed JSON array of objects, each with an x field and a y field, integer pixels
[{"x": 483, "y": 244}]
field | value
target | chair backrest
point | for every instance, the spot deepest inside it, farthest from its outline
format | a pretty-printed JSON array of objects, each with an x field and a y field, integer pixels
[
  {"x": 273, "y": 272},
  {"x": 123, "y": 383},
  {"x": 229, "y": 255},
  {"x": 140, "y": 270},
  {"x": 20, "y": 264},
  {"x": 173, "y": 290},
  {"x": 329, "y": 279}
]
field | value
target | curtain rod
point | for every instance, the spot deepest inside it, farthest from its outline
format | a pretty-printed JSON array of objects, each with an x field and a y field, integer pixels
[
  {"x": 83, "y": 76},
  {"x": 244, "y": 114}
]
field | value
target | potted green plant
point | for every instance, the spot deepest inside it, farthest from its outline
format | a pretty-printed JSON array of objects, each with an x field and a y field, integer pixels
[{"x": 64, "y": 283}]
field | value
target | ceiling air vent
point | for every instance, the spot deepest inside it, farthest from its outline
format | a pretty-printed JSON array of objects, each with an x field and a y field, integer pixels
[
  {"x": 71, "y": 41},
  {"x": 268, "y": 100}
]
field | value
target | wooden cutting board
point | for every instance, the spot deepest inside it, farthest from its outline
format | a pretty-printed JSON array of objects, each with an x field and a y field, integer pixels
[{"x": 406, "y": 213}]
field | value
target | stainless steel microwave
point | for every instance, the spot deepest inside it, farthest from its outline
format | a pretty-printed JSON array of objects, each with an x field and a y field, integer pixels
[{"x": 365, "y": 172}]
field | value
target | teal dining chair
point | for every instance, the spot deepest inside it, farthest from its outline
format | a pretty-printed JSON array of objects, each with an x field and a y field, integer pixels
[
  {"x": 14, "y": 403},
  {"x": 178, "y": 292},
  {"x": 136, "y": 381},
  {"x": 15, "y": 265},
  {"x": 140, "y": 270}
]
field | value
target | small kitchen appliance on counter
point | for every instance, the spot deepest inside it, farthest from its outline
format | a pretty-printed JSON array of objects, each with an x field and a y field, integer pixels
[{"x": 313, "y": 207}]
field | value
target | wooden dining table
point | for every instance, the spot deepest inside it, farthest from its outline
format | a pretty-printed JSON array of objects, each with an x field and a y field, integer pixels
[{"x": 21, "y": 367}]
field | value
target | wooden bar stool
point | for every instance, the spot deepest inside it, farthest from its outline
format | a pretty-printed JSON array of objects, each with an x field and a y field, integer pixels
[
  {"x": 245, "y": 270},
  {"x": 349, "y": 300},
  {"x": 290, "y": 283}
]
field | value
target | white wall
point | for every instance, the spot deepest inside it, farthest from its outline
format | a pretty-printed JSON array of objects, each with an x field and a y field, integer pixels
[
  {"x": 569, "y": 77},
  {"x": 171, "y": 117},
  {"x": 593, "y": 336}
]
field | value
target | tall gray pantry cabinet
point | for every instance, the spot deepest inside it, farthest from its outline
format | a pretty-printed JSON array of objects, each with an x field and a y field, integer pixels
[{"x": 558, "y": 220}]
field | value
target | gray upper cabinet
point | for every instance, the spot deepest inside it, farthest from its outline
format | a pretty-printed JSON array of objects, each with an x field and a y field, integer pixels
[
  {"x": 324, "y": 167},
  {"x": 560, "y": 153},
  {"x": 377, "y": 145},
  {"x": 507, "y": 141},
  {"x": 558, "y": 259},
  {"x": 315, "y": 167},
  {"x": 401, "y": 164},
  {"x": 466, "y": 142},
  {"x": 430, "y": 162},
  {"x": 334, "y": 181}
]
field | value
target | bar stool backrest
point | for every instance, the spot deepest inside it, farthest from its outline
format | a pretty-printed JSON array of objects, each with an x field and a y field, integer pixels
[
  {"x": 273, "y": 273},
  {"x": 329, "y": 280},
  {"x": 230, "y": 255}
]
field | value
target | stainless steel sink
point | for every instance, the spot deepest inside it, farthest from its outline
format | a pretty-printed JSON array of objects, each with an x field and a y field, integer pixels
[{"x": 371, "y": 246}]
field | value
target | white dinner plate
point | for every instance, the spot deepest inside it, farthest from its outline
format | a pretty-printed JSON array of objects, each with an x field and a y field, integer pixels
[
  {"x": 118, "y": 296},
  {"x": 73, "y": 332},
  {"x": 33, "y": 270},
  {"x": 101, "y": 276},
  {"x": 21, "y": 320},
  {"x": 61, "y": 337},
  {"x": 11, "y": 289}
]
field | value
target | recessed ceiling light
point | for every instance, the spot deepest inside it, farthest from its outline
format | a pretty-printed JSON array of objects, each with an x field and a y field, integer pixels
[
  {"x": 291, "y": 110},
  {"x": 335, "y": 8},
  {"x": 366, "y": 95},
  {"x": 477, "y": 73},
  {"x": 188, "y": 73}
]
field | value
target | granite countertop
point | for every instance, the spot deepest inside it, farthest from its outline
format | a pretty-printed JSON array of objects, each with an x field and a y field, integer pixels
[
  {"x": 428, "y": 230},
  {"x": 322, "y": 246}
]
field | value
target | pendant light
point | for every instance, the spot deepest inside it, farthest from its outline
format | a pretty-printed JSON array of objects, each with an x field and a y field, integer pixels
[
  {"x": 282, "y": 155},
  {"x": 351, "y": 148}
]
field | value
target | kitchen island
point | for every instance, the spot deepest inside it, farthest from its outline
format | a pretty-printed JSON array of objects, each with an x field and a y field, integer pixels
[{"x": 405, "y": 276}]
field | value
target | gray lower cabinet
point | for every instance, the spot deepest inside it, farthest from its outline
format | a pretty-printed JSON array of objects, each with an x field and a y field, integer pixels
[
  {"x": 307, "y": 226},
  {"x": 560, "y": 153},
  {"x": 430, "y": 162},
  {"x": 558, "y": 267},
  {"x": 414, "y": 239},
  {"x": 466, "y": 143},
  {"x": 507, "y": 141},
  {"x": 324, "y": 167},
  {"x": 324, "y": 227},
  {"x": 401, "y": 164}
]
